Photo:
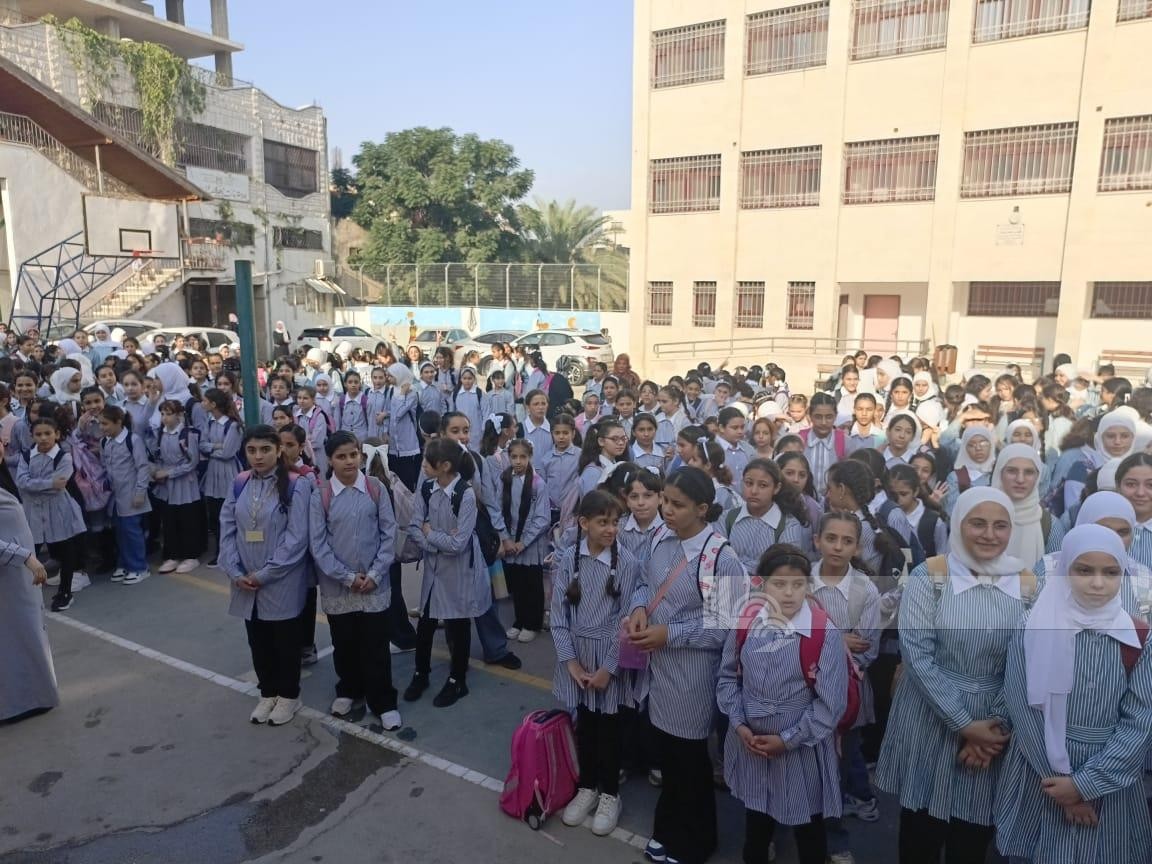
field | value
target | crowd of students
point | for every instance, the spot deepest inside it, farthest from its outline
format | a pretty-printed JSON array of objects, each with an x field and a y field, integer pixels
[{"x": 939, "y": 591}]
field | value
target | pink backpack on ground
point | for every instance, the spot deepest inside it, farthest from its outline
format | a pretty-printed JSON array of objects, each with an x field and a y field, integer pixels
[{"x": 543, "y": 776}]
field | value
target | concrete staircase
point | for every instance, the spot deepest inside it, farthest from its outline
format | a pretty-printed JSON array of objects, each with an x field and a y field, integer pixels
[{"x": 155, "y": 278}]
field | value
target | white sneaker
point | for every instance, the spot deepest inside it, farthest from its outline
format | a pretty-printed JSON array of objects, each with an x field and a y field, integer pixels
[
  {"x": 342, "y": 707},
  {"x": 263, "y": 710},
  {"x": 841, "y": 858},
  {"x": 54, "y": 581},
  {"x": 655, "y": 777},
  {"x": 393, "y": 648},
  {"x": 167, "y": 567},
  {"x": 580, "y": 806},
  {"x": 80, "y": 581},
  {"x": 136, "y": 577},
  {"x": 526, "y": 636},
  {"x": 607, "y": 815},
  {"x": 391, "y": 721},
  {"x": 118, "y": 575},
  {"x": 187, "y": 565},
  {"x": 512, "y": 632},
  {"x": 284, "y": 711}
]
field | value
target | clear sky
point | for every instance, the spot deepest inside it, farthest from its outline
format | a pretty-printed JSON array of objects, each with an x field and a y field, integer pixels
[{"x": 550, "y": 77}]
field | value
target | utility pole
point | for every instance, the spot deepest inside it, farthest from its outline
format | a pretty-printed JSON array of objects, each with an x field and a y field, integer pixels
[{"x": 246, "y": 314}]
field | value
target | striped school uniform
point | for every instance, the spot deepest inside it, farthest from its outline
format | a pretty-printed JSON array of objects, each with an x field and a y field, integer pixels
[
  {"x": 558, "y": 468},
  {"x": 953, "y": 493},
  {"x": 863, "y": 621},
  {"x": 455, "y": 580},
  {"x": 53, "y": 514},
  {"x": 540, "y": 437},
  {"x": 1141, "y": 548},
  {"x": 736, "y": 458},
  {"x": 500, "y": 401},
  {"x": 470, "y": 403},
  {"x": 765, "y": 689},
  {"x": 534, "y": 532},
  {"x": 637, "y": 540},
  {"x": 954, "y": 648},
  {"x": 353, "y": 415},
  {"x": 647, "y": 459},
  {"x": 751, "y": 535},
  {"x": 590, "y": 631},
  {"x": 1135, "y": 591},
  {"x": 1109, "y": 714}
]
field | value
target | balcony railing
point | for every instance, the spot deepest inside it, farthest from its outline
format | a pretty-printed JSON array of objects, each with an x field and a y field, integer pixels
[
  {"x": 18, "y": 129},
  {"x": 204, "y": 253}
]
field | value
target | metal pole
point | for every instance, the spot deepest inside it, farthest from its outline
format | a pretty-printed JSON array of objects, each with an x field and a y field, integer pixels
[
  {"x": 599, "y": 301},
  {"x": 540, "y": 287},
  {"x": 572, "y": 287},
  {"x": 446, "y": 266},
  {"x": 476, "y": 288},
  {"x": 246, "y": 314},
  {"x": 99, "y": 172},
  {"x": 508, "y": 286}
]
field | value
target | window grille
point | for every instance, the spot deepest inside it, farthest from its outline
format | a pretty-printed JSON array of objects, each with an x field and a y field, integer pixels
[
  {"x": 1126, "y": 159},
  {"x": 1130, "y": 10},
  {"x": 660, "y": 304},
  {"x": 1014, "y": 299},
  {"x": 1026, "y": 160},
  {"x": 884, "y": 27},
  {"x": 688, "y": 55},
  {"x": 780, "y": 178},
  {"x": 688, "y": 184},
  {"x": 290, "y": 169},
  {"x": 704, "y": 304},
  {"x": 749, "y": 305},
  {"x": 784, "y": 39},
  {"x": 900, "y": 169},
  {"x": 801, "y": 305},
  {"x": 1122, "y": 300},
  {"x": 1008, "y": 19}
]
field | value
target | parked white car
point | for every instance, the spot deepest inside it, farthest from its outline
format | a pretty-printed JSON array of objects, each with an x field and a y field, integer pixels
[
  {"x": 329, "y": 337},
  {"x": 569, "y": 352},
  {"x": 483, "y": 343},
  {"x": 431, "y": 338},
  {"x": 210, "y": 337}
]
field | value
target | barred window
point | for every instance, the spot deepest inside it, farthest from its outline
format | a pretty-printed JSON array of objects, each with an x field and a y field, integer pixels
[
  {"x": 783, "y": 39},
  {"x": 749, "y": 305},
  {"x": 801, "y": 305},
  {"x": 195, "y": 143},
  {"x": 884, "y": 27},
  {"x": 234, "y": 233},
  {"x": 291, "y": 170},
  {"x": 1130, "y": 10},
  {"x": 660, "y": 304},
  {"x": 1014, "y": 299},
  {"x": 1007, "y": 19},
  {"x": 703, "y": 304},
  {"x": 688, "y": 55},
  {"x": 685, "y": 185},
  {"x": 1126, "y": 161},
  {"x": 1027, "y": 160},
  {"x": 1122, "y": 300},
  {"x": 297, "y": 238},
  {"x": 899, "y": 169},
  {"x": 780, "y": 178}
]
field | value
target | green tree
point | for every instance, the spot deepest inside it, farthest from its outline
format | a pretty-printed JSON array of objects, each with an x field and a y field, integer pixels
[
  {"x": 556, "y": 233},
  {"x": 343, "y": 192},
  {"x": 430, "y": 195}
]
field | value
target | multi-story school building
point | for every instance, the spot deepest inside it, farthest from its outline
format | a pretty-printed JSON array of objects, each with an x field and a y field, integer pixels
[{"x": 810, "y": 178}]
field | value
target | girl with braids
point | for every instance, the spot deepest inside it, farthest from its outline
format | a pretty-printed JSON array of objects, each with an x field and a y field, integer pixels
[
  {"x": 264, "y": 554},
  {"x": 592, "y": 591},
  {"x": 522, "y": 520},
  {"x": 220, "y": 446},
  {"x": 643, "y": 450},
  {"x": 797, "y": 475},
  {"x": 708, "y": 456},
  {"x": 770, "y": 513},
  {"x": 670, "y": 419},
  {"x": 642, "y": 488},
  {"x": 923, "y": 514},
  {"x": 603, "y": 447},
  {"x": 851, "y": 486}
]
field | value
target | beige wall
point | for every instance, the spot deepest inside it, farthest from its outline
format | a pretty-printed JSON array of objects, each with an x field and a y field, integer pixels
[{"x": 925, "y": 252}]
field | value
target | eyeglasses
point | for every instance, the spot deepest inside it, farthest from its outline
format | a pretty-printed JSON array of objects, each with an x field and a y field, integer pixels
[{"x": 617, "y": 438}]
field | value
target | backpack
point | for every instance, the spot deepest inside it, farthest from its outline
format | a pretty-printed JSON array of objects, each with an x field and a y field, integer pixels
[
  {"x": 344, "y": 401},
  {"x": 926, "y": 532},
  {"x": 71, "y": 486},
  {"x": 542, "y": 779},
  {"x": 244, "y": 476},
  {"x": 404, "y": 548},
  {"x": 938, "y": 573},
  {"x": 706, "y": 582},
  {"x": 811, "y": 648},
  {"x": 963, "y": 479},
  {"x": 839, "y": 442},
  {"x": 90, "y": 477},
  {"x": 899, "y": 561},
  {"x": 730, "y": 522},
  {"x": 487, "y": 535}
]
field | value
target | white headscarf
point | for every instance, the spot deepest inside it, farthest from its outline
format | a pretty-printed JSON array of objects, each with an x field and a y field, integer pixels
[
  {"x": 87, "y": 376},
  {"x": 930, "y": 413},
  {"x": 174, "y": 380},
  {"x": 933, "y": 390},
  {"x": 963, "y": 460},
  {"x": 1023, "y": 424},
  {"x": 59, "y": 381},
  {"x": 400, "y": 373},
  {"x": 1050, "y": 636},
  {"x": 1106, "y": 505},
  {"x": 1106, "y": 475},
  {"x": 892, "y": 369},
  {"x": 1119, "y": 417},
  {"x": 68, "y": 347},
  {"x": 1005, "y": 565},
  {"x": 1027, "y": 541}
]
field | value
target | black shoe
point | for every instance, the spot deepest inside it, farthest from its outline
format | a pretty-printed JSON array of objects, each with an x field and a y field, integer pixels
[
  {"x": 416, "y": 689},
  {"x": 452, "y": 691},
  {"x": 61, "y": 602},
  {"x": 309, "y": 656},
  {"x": 508, "y": 661}
]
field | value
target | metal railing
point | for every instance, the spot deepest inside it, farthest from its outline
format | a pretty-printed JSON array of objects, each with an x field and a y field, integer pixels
[
  {"x": 146, "y": 273},
  {"x": 204, "y": 253},
  {"x": 18, "y": 129},
  {"x": 576, "y": 287},
  {"x": 762, "y": 347}
]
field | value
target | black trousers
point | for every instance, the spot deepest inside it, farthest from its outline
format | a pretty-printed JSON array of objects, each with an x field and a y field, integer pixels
[
  {"x": 924, "y": 837},
  {"x": 458, "y": 632},
  {"x": 183, "y": 526},
  {"x": 275, "y": 647},
  {"x": 308, "y": 620},
  {"x": 638, "y": 750},
  {"x": 363, "y": 659},
  {"x": 880, "y": 675},
  {"x": 400, "y": 629},
  {"x": 526, "y": 585},
  {"x": 69, "y": 554},
  {"x": 759, "y": 828},
  {"x": 407, "y": 468},
  {"x": 685, "y": 822},
  {"x": 212, "y": 508},
  {"x": 598, "y": 750}
]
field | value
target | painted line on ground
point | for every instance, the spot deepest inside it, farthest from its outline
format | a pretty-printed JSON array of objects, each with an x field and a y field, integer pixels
[{"x": 334, "y": 723}]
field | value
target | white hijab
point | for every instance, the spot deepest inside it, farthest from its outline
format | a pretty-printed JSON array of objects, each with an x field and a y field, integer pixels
[
  {"x": 59, "y": 381},
  {"x": 1027, "y": 541},
  {"x": 1106, "y": 475},
  {"x": 400, "y": 373},
  {"x": 1119, "y": 417},
  {"x": 1006, "y": 564},
  {"x": 174, "y": 380},
  {"x": 1106, "y": 505},
  {"x": 1023, "y": 424},
  {"x": 1050, "y": 636},
  {"x": 933, "y": 390},
  {"x": 87, "y": 376},
  {"x": 963, "y": 460}
]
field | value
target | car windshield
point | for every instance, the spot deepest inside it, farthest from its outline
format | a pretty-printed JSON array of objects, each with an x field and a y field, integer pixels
[
  {"x": 432, "y": 335},
  {"x": 313, "y": 332},
  {"x": 595, "y": 339}
]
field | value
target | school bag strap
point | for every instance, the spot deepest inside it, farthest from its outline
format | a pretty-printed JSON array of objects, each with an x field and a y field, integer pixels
[
  {"x": 370, "y": 483},
  {"x": 938, "y": 573},
  {"x": 857, "y": 597},
  {"x": 963, "y": 478},
  {"x": 1130, "y": 654},
  {"x": 244, "y": 476}
]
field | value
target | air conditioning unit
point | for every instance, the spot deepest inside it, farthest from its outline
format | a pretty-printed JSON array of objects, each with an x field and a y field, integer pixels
[{"x": 325, "y": 268}]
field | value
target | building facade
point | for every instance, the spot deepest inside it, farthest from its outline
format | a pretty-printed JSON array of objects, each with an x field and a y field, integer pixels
[{"x": 811, "y": 178}]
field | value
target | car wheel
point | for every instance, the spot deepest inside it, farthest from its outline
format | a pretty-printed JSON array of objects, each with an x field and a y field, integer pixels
[{"x": 574, "y": 371}]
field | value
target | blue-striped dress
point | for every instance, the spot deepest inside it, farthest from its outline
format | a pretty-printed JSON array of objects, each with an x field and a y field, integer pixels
[
  {"x": 455, "y": 580},
  {"x": 863, "y": 621},
  {"x": 222, "y": 467},
  {"x": 953, "y": 493},
  {"x": 681, "y": 680},
  {"x": 751, "y": 535},
  {"x": 1141, "y": 548},
  {"x": 1109, "y": 715},
  {"x": 765, "y": 690},
  {"x": 1135, "y": 591},
  {"x": 653, "y": 458},
  {"x": 638, "y": 540},
  {"x": 590, "y": 630},
  {"x": 954, "y": 650}
]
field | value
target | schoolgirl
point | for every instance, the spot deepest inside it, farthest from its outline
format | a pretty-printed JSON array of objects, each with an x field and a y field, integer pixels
[
  {"x": 974, "y": 464},
  {"x": 771, "y": 512},
  {"x": 316, "y": 425},
  {"x": 66, "y": 388},
  {"x": 429, "y": 395},
  {"x": 281, "y": 417},
  {"x": 401, "y": 633},
  {"x": 780, "y": 753},
  {"x": 402, "y": 405},
  {"x": 352, "y": 529},
  {"x": 1078, "y": 693},
  {"x": 20, "y": 439},
  {"x": 220, "y": 445},
  {"x": 110, "y": 388},
  {"x": 924, "y": 388},
  {"x": 24, "y": 386},
  {"x": 945, "y": 737},
  {"x": 928, "y": 524},
  {"x": 643, "y": 450},
  {"x": 708, "y": 456},
  {"x": 670, "y": 419},
  {"x": 899, "y": 397},
  {"x": 500, "y": 398},
  {"x": 379, "y": 400},
  {"x": 649, "y": 401},
  {"x": 444, "y": 379},
  {"x": 697, "y": 406},
  {"x": 592, "y": 591},
  {"x": 176, "y": 488},
  {"x": 126, "y": 461},
  {"x": 1115, "y": 438},
  {"x": 604, "y": 446},
  {"x": 455, "y": 586},
  {"x": 1017, "y": 474},
  {"x": 1134, "y": 482},
  {"x": 522, "y": 518},
  {"x": 590, "y": 414},
  {"x": 642, "y": 488},
  {"x": 264, "y": 532},
  {"x": 864, "y": 431},
  {"x": 54, "y": 515},
  {"x": 136, "y": 401},
  {"x": 535, "y": 426},
  {"x": 763, "y": 438},
  {"x": 903, "y": 438},
  {"x": 324, "y": 393},
  {"x": 469, "y": 400},
  {"x": 679, "y": 618},
  {"x": 798, "y": 475},
  {"x": 1059, "y": 419},
  {"x": 352, "y": 409},
  {"x": 560, "y": 467},
  {"x": 731, "y": 424},
  {"x": 609, "y": 395},
  {"x": 686, "y": 440},
  {"x": 823, "y": 443}
]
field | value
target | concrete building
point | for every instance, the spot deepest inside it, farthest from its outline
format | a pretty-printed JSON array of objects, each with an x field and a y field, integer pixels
[
  {"x": 263, "y": 166},
  {"x": 811, "y": 178}
]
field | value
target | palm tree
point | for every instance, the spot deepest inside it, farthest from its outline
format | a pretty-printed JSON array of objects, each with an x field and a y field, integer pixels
[{"x": 556, "y": 233}]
